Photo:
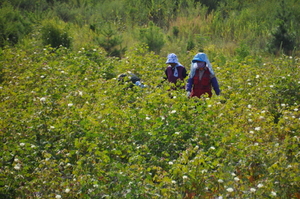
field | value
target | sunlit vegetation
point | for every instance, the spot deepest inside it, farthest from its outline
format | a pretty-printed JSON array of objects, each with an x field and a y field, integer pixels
[{"x": 70, "y": 129}]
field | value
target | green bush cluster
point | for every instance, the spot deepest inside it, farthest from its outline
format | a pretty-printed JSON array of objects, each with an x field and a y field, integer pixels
[
  {"x": 13, "y": 26},
  {"x": 54, "y": 35},
  {"x": 69, "y": 129},
  {"x": 266, "y": 27}
]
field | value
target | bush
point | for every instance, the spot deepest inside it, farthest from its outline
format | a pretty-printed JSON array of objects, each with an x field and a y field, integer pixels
[
  {"x": 13, "y": 26},
  {"x": 55, "y": 36},
  {"x": 153, "y": 37},
  {"x": 111, "y": 42},
  {"x": 282, "y": 38}
]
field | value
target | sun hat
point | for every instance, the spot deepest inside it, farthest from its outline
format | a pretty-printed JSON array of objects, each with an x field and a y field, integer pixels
[
  {"x": 172, "y": 58},
  {"x": 200, "y": 57}
]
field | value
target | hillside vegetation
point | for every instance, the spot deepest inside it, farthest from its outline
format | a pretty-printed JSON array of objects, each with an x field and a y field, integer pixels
[{"x": 70, "y": 129}]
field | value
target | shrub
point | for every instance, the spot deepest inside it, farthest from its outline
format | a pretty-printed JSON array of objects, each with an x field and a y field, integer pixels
[
  {"x": 153, "y": 37},
  {"x": 13, "y": 26},
  {"x": 282, "y": 38},
  {"x": 54, "y": 35},
  {"x": 111, "y": 42}
]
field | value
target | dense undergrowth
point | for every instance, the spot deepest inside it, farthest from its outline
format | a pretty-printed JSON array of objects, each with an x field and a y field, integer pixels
[{"x": 69, "y": 129}]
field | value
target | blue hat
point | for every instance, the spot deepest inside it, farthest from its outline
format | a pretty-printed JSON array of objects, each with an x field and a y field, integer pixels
[{"x": 200, "y": 57}]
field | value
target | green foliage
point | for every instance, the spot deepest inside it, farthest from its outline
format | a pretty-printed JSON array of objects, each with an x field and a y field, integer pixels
[
  {"x": 65, "y": 12},
  {"x": 111, "y": 41},
  {"x": 153, "y": 37},
  {"x": 13, "y": 26},
  {"x": 69, "y": 129},
  {"x": 175, "y": 31},
  {"x": 190, "y": 44},
  {"x": 211, "y": 4},
  {"x": 282, "y": 39},
  {"x": 54, "y": 34},
  {"x": 242, "y": 51}
]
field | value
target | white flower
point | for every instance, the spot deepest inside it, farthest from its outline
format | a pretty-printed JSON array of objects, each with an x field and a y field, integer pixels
[
  {"x": 173, "y": 181},
  {"x": 95, "y": 186},
  {"x": 184, "y": 177},
  {"x": 148, "y": 118},
  {"x": 236, "y": 179},
  {"x": 252, "y": 190},
  {"x": 22, "y": 144},
  {"x": 283, "y": 105},
  {"x": 209, "y": 106},
  {"x": 260, "y": 185},
  {"x": 229, "y": 189},
  {"x": 273, "y": 193},
  {"x": 251, "y": 132},
  {"x": 58, "y": 196},
  {"x": 220, "y": 181},
  {"x": 70, "y": 104},
  {"x": 257, "y": 76},
  {"x": 17, "y": 167},
  {"x": 212, "y": 148},
  {"x": 271, "y": 86},
  {"x": 257, "y": 128},
  {"x": 204, "y": 171},
  {"x": 170, "y": 163},
  {"x": 295, "y": 109},
  {"x": 249, "y": 106},
  {"x": 177, "y": 133},
  {"x": 233, "y": 174},
  {"x": 42, "y": 99},
  {"x": 174, "y": 111},
  {"x": 67, "y": 190}
]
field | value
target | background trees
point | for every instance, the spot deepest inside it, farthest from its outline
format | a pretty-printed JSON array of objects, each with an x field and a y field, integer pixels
[{"x": 184, "y": 25}]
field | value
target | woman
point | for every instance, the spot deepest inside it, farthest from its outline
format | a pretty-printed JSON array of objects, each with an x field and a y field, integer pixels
[
  {"x": 202, "y": 77},
  {"x": 175, "y": 70}
]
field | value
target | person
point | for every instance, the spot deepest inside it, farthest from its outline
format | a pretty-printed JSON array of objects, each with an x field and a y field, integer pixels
[
  {"x": 130, "y": 77},
  {"x": 202, "y": 77},
  {"x": 175, "y": 70}
]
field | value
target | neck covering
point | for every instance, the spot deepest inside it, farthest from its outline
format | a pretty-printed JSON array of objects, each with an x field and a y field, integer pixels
[
  {"x": 200, "y": 57},
  {"x": 172, "y": 58}
]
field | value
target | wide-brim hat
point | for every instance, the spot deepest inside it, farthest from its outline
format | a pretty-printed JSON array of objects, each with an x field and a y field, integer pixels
[
  {"x": 172, "y": 58},
  {"x": 200, "y": 57}
]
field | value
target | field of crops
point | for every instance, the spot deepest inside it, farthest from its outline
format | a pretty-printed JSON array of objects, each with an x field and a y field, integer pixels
[{"x": 69, "y": 129}]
